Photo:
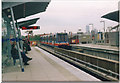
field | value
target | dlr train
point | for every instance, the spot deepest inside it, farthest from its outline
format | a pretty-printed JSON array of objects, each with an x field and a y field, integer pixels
[{"x": 55, "y": 40}]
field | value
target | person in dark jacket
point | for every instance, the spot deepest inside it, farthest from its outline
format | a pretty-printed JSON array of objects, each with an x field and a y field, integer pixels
[
  {"x": 25, "y": 46},
  {"x": 15, "y": 54},
  {"x": 27, "y": 43}
]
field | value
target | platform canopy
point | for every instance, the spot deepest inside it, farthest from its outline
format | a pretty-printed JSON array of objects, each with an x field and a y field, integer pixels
[
  {"x": 27, "y": 22},
  {"x": 24, "y": 9},
  {"x": 115, "y": 27},
  {"x": 114, "y": 16}
]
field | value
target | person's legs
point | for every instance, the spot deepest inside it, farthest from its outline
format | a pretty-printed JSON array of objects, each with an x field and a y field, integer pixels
[
  {"x": 29, "y": 48},
  {"x": 25, "y": 50},
  {"x": 24, "y": 55},
  {"x": 25, "y": 58}
]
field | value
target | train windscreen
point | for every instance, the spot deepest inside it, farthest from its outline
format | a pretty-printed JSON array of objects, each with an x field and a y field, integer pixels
[{"x": 62, "y": 37}]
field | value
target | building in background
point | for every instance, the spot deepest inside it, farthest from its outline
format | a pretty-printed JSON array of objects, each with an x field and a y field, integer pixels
[{"x": 87, "y": 29}]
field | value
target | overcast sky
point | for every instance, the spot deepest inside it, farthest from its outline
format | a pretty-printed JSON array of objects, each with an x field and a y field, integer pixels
[{"x": 71, "y": 15}]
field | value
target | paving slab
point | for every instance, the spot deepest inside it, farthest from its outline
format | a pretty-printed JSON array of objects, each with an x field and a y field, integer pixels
[
  {"x": 97, "y": 46},
  {"x": 45, "y": 67}
]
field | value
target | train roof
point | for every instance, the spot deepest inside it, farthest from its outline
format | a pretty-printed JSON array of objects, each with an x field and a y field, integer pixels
[{"x": 62, "y": 33}]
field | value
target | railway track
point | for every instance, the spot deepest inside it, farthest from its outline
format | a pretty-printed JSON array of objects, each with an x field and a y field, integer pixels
[{"x": 103, "y": 69}]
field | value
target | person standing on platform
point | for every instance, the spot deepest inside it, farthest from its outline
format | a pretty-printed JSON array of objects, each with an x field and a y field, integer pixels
[
  {"x": 15, "y": 55},
  {"x": 26, "y": 45},
  {"x": 25, "y": 48},
  {"x": 28, "y": 41}
]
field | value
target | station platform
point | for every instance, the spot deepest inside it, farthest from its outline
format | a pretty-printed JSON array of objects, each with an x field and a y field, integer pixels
[
  {"x": 103, "y": 47},
  {"x": 45, "y": 67}
]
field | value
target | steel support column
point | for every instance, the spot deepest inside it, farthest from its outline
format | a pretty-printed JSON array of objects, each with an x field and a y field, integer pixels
[
  {"x": 19, "y": 36},
  {"x": 18, "y": 47},
  {"x": 8, "y": 37}
]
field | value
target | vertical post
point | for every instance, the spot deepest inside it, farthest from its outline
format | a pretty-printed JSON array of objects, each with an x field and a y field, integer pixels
[
  {"x": 92, "y": 31},
  {"x": 76, "y": 39},
  {"x": 8, "y": 42},
  {"x": 104, "y": 29},
  {"x": 21, "y": 43},
  {"x": 79, "y": 34},
  {"x": 79, "y": 38},
  {"x": 8, "y": 35},
  {"x": 104, "y": 26},
  {"x": 19, "y": 35},
  {"x": 20, "y": 58}
]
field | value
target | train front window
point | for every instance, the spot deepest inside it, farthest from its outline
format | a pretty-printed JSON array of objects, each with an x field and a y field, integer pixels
[
  {"x": 65, "y": 37},
  {"x": 59, "y": 38},
  {"x": 62, "y": 38}
]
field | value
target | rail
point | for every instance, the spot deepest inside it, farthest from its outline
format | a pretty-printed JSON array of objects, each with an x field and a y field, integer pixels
[
  {"x": 91, "y": 65},
  {"x": 89, "y": 62}
]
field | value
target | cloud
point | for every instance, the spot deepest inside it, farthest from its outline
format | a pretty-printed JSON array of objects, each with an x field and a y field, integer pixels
[{"x": 71, "y": 15}]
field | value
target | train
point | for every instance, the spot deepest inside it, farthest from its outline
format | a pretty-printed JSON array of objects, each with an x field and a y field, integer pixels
[
  {"x": 74, "y": 40},
  {"x": 55, "y": 40}
]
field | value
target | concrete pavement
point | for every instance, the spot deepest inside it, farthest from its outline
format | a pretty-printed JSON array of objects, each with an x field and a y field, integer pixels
[{"x": 45, "y": 67}]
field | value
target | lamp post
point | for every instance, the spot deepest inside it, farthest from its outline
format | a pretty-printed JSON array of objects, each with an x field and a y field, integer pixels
[
  {"x": 104, "y": 29},
  {"x": 92, "y": 25},
  {"x": 17, "y": 43},
  {"x": 103, "y": 24},
  {"x": 79, "y": 33},
  {"x": 70, "y": 37},
  {"x": 92, "y": 34}
]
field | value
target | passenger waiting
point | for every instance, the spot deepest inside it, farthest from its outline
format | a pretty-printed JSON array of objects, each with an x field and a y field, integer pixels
[
  {"x": 26, "y": 44},
  {"x": 15, "y": 54}
]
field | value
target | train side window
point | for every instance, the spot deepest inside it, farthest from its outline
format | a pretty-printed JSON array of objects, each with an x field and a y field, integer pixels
[
  {"x": 58, "y": 38},
  {"x": 65, "y": 37}
]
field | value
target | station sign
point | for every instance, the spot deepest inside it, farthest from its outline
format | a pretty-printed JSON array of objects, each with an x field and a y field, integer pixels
[{"x": 30, "y": 27}]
